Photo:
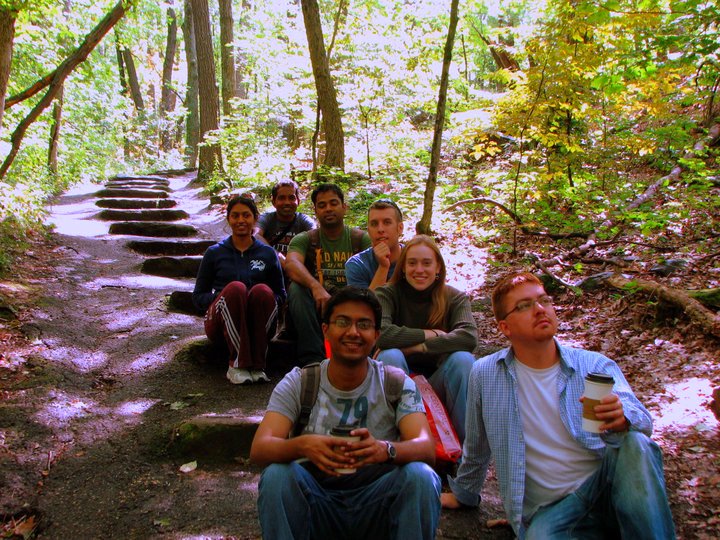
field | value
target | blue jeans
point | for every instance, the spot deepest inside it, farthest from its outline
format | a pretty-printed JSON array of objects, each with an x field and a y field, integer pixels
[
  {"x": 450, "y": 382},
  {"x": 625, "y": 498},
  {"x": 310, "y": 342},
  {"x": 402, "y": 504}
]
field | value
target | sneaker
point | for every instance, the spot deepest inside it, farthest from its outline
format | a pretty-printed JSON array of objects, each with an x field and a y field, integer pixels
[
  {"x": 239, "y": 376},
  {"x": 258, "y": 375}
]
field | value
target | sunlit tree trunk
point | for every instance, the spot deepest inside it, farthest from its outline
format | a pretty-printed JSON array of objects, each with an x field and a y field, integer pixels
[
  {"x": 227, "y": 55},
  {"x": 132, "y": 79},
  {"x": 55, "y": 132},
  {"x": 327, "y": 97},
  {"x": 241, "y": 85},
  {"x": 423, "y": 226},
  {"x": 192, "y": 122},
  {"x": 7, "y": 36},
  {"x": 167, "y": 95},
  {"x": 210, "y": 154}
]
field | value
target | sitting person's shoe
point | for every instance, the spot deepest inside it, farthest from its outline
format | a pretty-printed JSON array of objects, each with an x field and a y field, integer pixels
[
  {"x": 239, "y": 376},
  {"x": 258, "y": 375}
]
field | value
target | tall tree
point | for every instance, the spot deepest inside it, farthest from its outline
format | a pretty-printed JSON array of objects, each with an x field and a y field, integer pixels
[
  {"x": 55, "y": 132},
  {"x": 423, "y": 226},
  {"x": 55, "y": 83},
  {"x": 227, "y": 55},
  {"x": 327, "y": 97},
  {"x": 132, "y": 79},
  {"x": 210, "y": 154},
  {"x": 167, "y": 96},
  {"x": 7, "y": 37},
  {"x": 192, "y": 121}
]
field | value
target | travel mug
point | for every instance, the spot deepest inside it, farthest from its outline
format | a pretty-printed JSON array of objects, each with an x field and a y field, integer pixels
[{"x": 343, "y": 431}]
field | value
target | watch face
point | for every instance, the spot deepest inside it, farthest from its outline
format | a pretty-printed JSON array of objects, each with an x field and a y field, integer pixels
[{"x": 391, "y": 451}]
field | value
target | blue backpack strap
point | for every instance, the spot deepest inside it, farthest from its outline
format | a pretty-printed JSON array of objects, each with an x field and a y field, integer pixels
[{"x": 309, "y": 387}]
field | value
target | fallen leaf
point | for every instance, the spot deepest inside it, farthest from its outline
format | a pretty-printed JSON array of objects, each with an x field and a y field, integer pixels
[
  {"x": 25, "y": 528},
  {"x": 492, "y": 523},
  {"x": 177, "y": 405},
  {"x": 164, "y": 522},
  {"x": 188, "y": 467},
  {"x": 190, "y": 396}
]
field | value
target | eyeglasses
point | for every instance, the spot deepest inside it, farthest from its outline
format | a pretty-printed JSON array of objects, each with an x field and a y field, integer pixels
[
  {"x": 524, "y": 305},
  {"x": 362, "y": 324}
]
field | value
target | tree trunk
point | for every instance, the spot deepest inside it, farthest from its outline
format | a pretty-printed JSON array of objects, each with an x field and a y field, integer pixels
[
  {"x": 423, "y": 226},
  {"x": 167, "y": 96},
  {"x": 227, "y": 55},
  {"x": 327, "y": 98},
  {"x": 59, "y": 76},
  {"x": 133, "y": 82},
  {"x": 241, "y": 86},
  {"x": 192, "y": 122},
  {"x": 210, "y": 155},
  {"x": 699, "y": 314},
  {"x": 55, "y": 132},
  {"x": 7, "y": 37}
]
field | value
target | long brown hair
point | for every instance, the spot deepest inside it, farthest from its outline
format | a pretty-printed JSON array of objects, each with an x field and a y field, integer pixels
[{"x": 438, "y": 297}]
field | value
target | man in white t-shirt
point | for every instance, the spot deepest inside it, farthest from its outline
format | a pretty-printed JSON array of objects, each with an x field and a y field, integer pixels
[
  {"x": 394, "y": 492},
  {"x": 524, "y": 408}
]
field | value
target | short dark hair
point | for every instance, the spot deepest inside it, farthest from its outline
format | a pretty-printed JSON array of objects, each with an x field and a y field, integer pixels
[
  {"x": 322, "y": 188},
  {"x": 384, "y": 204},
  {"x": 354, "y": 294},
  {"x": 241, "y": 199},
  {"x": 506, "y": 284},
  {"x": 285, "y": 183}
]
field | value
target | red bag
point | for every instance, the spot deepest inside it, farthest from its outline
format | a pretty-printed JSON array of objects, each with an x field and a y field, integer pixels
[{"x": 447, "y": 444}]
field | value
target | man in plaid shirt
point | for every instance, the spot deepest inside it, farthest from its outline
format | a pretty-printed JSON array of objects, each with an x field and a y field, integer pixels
[{"x": 525, "y": 410}]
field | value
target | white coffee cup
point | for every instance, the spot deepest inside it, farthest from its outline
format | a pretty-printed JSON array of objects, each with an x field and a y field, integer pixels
[{"x": 597, "y": 386}]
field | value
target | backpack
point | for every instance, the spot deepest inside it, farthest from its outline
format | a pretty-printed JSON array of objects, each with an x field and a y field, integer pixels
[
  {"x": 314, "y": 254},
  {"x": 393, "y": 383}
]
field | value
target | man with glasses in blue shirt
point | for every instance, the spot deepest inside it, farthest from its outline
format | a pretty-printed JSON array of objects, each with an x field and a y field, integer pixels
[
  {"x": 524, "y": 409},
  {"x": 304, "y": 492}
]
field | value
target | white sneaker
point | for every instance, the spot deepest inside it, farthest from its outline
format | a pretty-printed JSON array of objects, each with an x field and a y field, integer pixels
[
  {"x": 239, "y": 376},
  {"x": 258, "y": 375}
]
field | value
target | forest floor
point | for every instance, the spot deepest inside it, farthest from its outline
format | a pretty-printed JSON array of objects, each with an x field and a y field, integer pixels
[{"x": 92, "y": 386}]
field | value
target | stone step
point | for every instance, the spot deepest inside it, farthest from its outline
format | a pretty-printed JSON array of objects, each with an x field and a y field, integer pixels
[
  {"x": 181, "y": 302},
  {"x": 153, "y": 229},
  {"x": 170, "y": 247},
  {"x": 172, "y": 267},
  {"x": 132, "y": 194},
  {"x": 214, "y": 437},
  {"x": 142, "y": 215},
  {"x": 136, "y": 203},
  {"x": 147, "y": 178},
  {"x": 137, "y": 185}
]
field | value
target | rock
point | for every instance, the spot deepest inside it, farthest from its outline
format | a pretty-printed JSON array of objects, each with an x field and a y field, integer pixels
[
  {"x": 670, "y": 266},
  {"x": 214, "y": 437},
  {"x": 715, "y": 403},
  {"x": 595, "y": 281},
  {"x": 181, "y": 301}
]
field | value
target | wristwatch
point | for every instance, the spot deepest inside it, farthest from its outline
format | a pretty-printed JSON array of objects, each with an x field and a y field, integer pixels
[{"x": 391, "y": 452}]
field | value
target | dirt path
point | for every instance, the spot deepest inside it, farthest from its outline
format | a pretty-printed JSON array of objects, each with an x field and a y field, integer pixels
[{"x": 91, "y": 400}]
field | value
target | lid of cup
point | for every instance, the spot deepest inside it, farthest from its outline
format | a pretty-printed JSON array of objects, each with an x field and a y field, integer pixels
[
  {"x": 601, "y": 378},
  {"x": 343, "y": 429}
]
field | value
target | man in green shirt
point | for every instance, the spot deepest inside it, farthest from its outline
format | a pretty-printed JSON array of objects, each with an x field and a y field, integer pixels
[{"x": 316, "y": 265}]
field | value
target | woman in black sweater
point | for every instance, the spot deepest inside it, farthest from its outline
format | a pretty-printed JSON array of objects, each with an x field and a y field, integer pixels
[{"x": 428, "y": 327}]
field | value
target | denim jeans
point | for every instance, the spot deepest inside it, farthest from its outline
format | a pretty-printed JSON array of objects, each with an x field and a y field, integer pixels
[
  {"x": 450, "y": 382},
  {"x": 625, "y": 498},
  {"x": 403, "y": 504},
  {"x": 304, "y": 315}
]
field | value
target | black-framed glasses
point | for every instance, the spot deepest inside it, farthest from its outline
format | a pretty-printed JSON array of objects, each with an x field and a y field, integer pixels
[
  {"x": 362, "y": 324},
  {"x": 529, "y": 303}
]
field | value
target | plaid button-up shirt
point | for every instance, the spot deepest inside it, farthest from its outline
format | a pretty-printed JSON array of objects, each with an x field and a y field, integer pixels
[{"x": 494, "y": 426}]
